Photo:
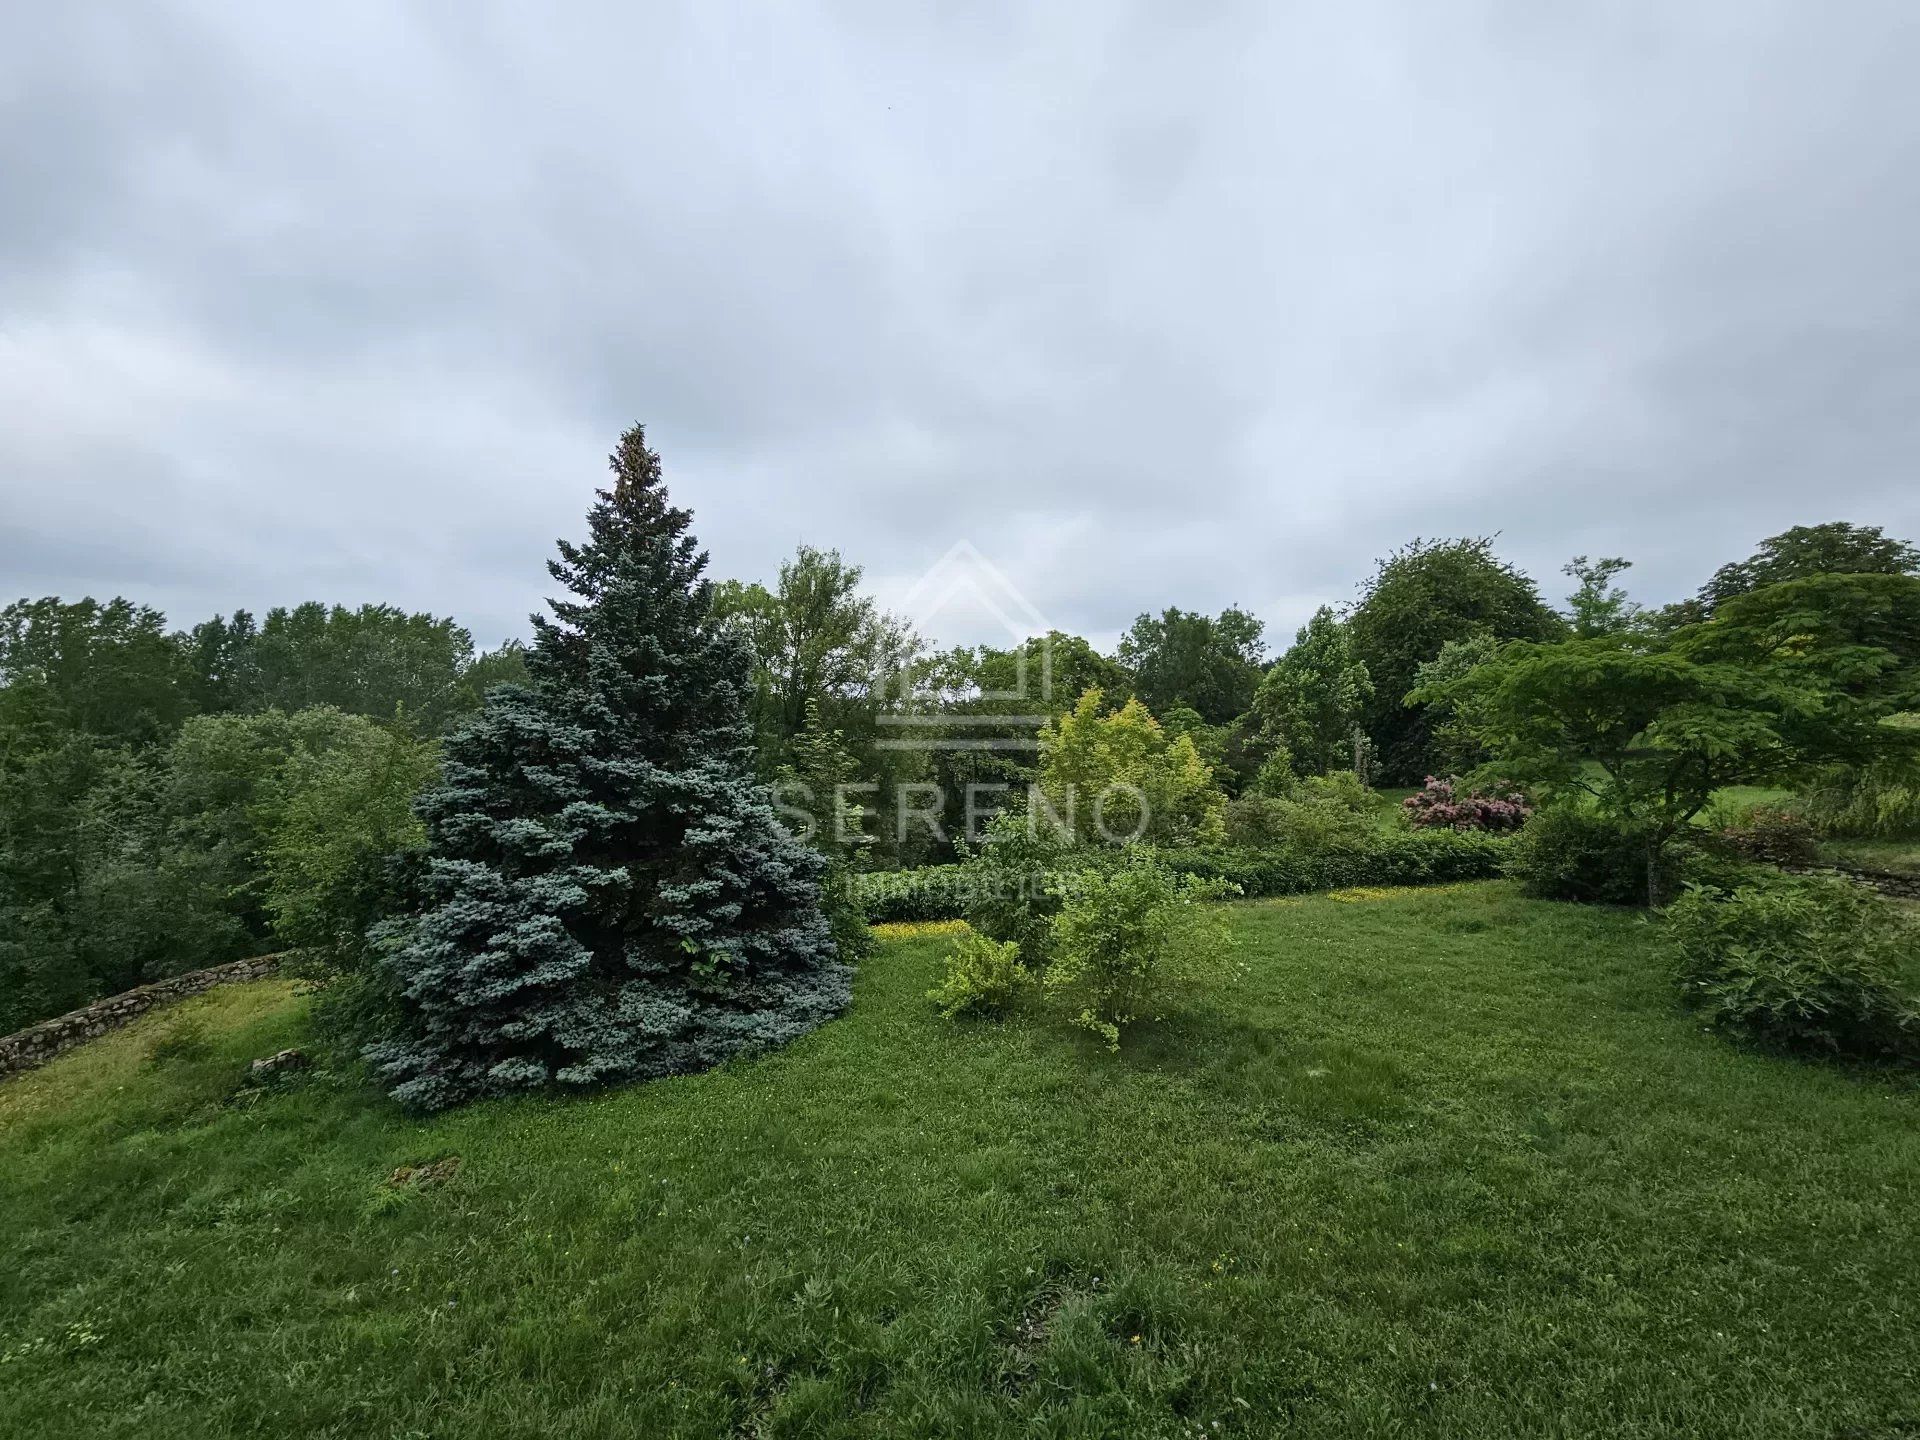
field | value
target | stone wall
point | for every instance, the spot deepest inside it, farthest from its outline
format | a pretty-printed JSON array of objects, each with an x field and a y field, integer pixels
[{"x": 38, "y": 1044}]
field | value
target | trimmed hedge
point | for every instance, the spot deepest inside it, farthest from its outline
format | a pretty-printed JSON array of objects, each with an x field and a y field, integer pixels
[
  {"x": 1419, "y": 857},
  {"x": 933, "y": 892}
]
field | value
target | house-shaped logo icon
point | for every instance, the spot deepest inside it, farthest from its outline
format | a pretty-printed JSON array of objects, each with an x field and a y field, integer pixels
[{"x": 964, "y": 583}]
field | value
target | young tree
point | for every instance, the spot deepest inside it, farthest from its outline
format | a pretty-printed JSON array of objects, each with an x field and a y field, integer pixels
[
  {"x": 1314, "y": 695},
  {"x": 1598, "y": 606},
  {"x": 609, "y": 895},
  {"x": 1451, "y": 722},
  {"x": 1662, "y": 731},
  {"x": 1835, "y": 548},
  {"x": 1115, "y": 777},
  {"x": 1423, "y": 595}
]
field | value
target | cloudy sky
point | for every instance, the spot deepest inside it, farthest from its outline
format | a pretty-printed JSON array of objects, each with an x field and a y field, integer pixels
[{"x": 1187, "y": 304}]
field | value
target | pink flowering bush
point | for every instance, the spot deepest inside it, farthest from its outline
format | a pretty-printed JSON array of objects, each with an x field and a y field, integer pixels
[{"x": 1444, "y": 805}]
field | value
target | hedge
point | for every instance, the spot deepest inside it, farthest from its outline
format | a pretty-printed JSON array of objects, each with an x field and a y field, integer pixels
[{"x": 1417, "y": 857}]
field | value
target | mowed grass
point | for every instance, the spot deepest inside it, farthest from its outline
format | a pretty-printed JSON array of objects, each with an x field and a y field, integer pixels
[{"x": 1444, "y": 1162}]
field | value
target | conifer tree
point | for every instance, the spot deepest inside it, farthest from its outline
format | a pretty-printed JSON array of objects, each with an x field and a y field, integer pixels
[{"x": 609, "y": 896}]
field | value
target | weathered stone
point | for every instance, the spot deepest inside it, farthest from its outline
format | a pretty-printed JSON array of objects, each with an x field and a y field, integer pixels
[{"x": 279, "y": 1063}]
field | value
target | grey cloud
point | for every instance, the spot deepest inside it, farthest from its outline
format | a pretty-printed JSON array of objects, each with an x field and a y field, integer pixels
[{"x": 1157, "y": 307}]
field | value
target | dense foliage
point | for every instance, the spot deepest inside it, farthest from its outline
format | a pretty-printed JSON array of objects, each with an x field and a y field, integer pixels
[
  {"x": 1208, "y": 663},
  {"x": 609, "y": 896},
  {"x": 1119, "y": 777},
  {"x": 1836, "y": 548},
  {"x": 1809, "y": 963},
  {"x": 1313, "y": 699},
  {"x": 1420, "y": 597}
]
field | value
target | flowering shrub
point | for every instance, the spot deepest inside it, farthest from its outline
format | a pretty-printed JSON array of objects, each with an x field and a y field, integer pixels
[{"x": 1443, "y": 805}]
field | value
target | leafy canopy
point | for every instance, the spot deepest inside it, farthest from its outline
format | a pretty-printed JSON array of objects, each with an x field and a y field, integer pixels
[
  {"x": 1835, "y": 548},
  {"x": 1421, "y": 596},
  {"x": 1315, "y": 696},
  {"x": 1110, "y": 778}
]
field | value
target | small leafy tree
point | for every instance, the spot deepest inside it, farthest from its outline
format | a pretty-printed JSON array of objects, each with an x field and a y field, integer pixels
[
  {"x": 1451, "y": 723},
  {"x": 1126, "y": 941},
  {"x": 1314, "y": 695},
  {"x": 1117, "y": 777},
  {"x": 338, "y": 831},
  {"x": 1648, "y": 736}
]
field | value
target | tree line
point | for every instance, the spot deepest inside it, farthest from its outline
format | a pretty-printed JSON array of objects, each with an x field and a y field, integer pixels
[{"x": 170, "y": 799}]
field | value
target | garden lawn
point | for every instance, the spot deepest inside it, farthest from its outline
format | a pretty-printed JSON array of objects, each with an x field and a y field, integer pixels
[{"x": 1440, "y": 1162}]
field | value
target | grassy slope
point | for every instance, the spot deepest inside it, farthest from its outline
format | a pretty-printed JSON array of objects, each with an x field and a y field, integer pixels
[{"x": 1443, "y": 1161}]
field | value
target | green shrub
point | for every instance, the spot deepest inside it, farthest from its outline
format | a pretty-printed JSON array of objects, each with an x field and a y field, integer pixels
[
  {"x": 1125, "y": 941},
  {"x": 1385, "y": 857},
  {"x": 1771, "y": 835},
  {"x": 1342, "y": 789},
  {"x": 984, "y": 977},
  {"x": 1324, "y": 824},
  {"x": 1565, "y": 853},
  {"x": 1876, "y": 802},
  {"x": 1016, "y": 883},
  {"x": 932, "y": 892},
  {"x": 1801, "y": 963}
]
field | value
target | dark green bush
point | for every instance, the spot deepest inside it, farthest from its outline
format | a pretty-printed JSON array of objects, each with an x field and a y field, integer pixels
[
  {"x": 1800, "y": 963},
  {"x": 1771, "y": 835},
  {"x": 1565, "y": 853},
  {"x": 1385, "y": 857},
  {"x": 932, "y": 892},
  {"x": 1015, "y": 896}
]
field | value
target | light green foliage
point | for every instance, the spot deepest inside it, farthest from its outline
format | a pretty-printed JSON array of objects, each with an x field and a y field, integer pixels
[
  {"x": 1876, "y": 801},
  {"x": 1452, "y": 719},
  {"x": 1128, "y": 942},
  {"x": 1598, "y": 606},
  {"x": 1110, "y": 778},
  {"x": 1808, "y": 963},
  {"x": 983, "y": 977},
  {"x": 338, "y": 826},
  {"x": 1211, "y": 664},
  {"x": 1420, "y": 597},
  {"x": 1314, "y": 696},
  {"x": 1010, "y": 889}
]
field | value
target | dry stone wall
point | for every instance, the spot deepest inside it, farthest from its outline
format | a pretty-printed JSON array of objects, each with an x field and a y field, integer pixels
[{"x": 38, "y": 1044}]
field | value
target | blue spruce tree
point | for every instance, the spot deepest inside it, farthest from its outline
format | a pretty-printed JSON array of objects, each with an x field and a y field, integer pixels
[{"x": 609, "y": 896}]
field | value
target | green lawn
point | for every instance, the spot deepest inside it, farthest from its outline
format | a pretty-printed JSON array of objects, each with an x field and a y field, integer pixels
[{"x": 1442, "y": 1163}]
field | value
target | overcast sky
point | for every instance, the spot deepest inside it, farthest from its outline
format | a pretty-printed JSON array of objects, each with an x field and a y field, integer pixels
[{"x": 1189, "y": 304}]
